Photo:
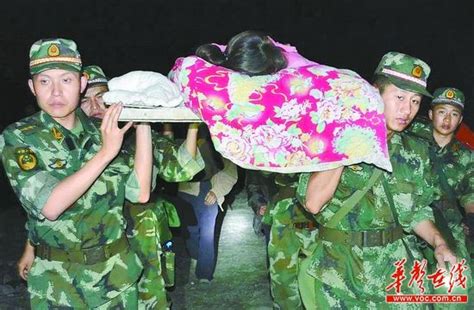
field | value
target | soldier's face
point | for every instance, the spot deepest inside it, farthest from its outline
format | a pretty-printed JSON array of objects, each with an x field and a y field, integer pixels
[
  {"x": 400, "y": 107},
  {"x": 92, "y": 103},
  {"x": 446, "y": 119},
  {"x": 57, "y": 92}
]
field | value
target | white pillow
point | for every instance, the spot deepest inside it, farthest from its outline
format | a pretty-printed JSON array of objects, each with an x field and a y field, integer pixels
[{"x": 146, "y": 89}]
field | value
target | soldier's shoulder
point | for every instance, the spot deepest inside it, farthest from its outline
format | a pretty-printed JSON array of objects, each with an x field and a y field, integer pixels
[
  {"x": 421, "y": 129},
  {"x": 415, "y": 142},
  {"x": 461, "y": 147},
  {"x": 26, "y": 126},
  {"x": 464, "y": 153}
]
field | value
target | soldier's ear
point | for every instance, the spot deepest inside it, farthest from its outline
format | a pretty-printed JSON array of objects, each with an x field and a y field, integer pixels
[
  {"x": 430, "y": 114},
  {"x": 32, "y": 87},
  {"x": 83, "y": 83}
]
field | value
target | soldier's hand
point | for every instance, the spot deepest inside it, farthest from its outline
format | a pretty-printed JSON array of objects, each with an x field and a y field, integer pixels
[
  {"x": 112, "y": 134},
  {"x": 443, "y": 254},
  {"x": 25, "y": 262},
  {"x": 210, "y": 198}
]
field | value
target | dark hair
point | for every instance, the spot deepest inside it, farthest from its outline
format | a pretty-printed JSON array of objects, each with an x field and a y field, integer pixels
[
  {"x": 249, "y": 52},
  {"x": 381, "y": 82}
]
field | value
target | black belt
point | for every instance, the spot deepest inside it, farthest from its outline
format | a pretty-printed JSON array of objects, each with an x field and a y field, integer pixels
[
  {"x": 87, "y": 256},
  {"x": 368, "y": 238}
]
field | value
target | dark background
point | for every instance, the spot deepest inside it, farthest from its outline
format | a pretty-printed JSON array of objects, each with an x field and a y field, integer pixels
[{"x": 122, "y": 36}]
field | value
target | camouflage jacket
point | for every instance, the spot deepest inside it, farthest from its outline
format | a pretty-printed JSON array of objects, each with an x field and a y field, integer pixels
[
  {"x": 284, "y": 209},
  {"x": 409, "y": 184},
  {"x": 38, "y": 153},
  {"x": 171, "y": 162},
  {"x": 453, "y": 170}
]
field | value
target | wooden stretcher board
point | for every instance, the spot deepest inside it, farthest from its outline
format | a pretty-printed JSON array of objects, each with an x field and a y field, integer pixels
[{"x": 180, "y": 114}]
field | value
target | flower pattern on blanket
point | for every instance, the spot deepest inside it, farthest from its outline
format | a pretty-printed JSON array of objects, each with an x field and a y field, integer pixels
[{"x": 308, "y": 118}]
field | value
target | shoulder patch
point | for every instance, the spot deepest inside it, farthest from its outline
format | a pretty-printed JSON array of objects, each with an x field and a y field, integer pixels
[
  {"x": 28, "y": 129},
  {"x": 26, "y": 158}
]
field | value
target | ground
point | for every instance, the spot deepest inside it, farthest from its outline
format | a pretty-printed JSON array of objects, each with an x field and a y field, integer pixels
[{"x": 240, "y": 279}]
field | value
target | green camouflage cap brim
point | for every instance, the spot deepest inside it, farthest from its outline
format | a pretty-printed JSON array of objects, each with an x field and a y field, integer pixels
[
  {"x": 47, "y": 54},
  {"x": 95, "y": 75},
  {"x": 405, "y": 72},
  {"x": 449, "y": 95}
]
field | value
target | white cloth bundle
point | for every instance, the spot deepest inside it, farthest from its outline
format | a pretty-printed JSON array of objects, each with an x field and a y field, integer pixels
[{"x": 144, "y": 89}]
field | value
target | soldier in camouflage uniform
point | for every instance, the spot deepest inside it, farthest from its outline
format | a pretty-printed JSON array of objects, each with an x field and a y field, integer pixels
[
  {"x": 72, "y": 179},
  {"x": 453, "y": 168},
  {"x": 148, "y": 224},
  {"x": 292, "y": 233},
  {"x": 148, "y": 231},
  {"x": 367, "y": 216},
  {"x": 91, "y": 102},
  {"x": 260, "y": 187},
  {"x": 93, "y": 106}
]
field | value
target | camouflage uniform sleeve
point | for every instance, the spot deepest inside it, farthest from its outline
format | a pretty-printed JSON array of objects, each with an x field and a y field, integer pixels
[
  {"x": 426, "y": 191},
  {"x": 31, "y": 182},
  {"x": 423, "y": 210},
  {"x": 467, "y": 183},
  {"x": 173, "y": 163},
  {"x": 302, "y": 187},
  {"x": 132, "y": 187}
]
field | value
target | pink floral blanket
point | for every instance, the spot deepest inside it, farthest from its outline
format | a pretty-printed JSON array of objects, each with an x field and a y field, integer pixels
[{"x": 307, "y": 117}]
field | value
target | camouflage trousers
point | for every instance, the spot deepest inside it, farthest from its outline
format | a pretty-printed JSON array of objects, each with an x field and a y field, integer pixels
[
  {"x": 287, "y": 247},
  {"x": 65, "y": 285},
  {"x": 145, "y": 234},
  {"x": 128, "y": 299},
  {"x": 342, "y": 276}
]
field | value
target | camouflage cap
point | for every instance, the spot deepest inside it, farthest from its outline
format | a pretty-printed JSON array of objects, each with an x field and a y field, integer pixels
[
  {"x": 405, "y": 72},
  {"x": 448, "y": 95},
  {"x": 95, "y": 75},
  {"x": 58, "y": 53}
]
